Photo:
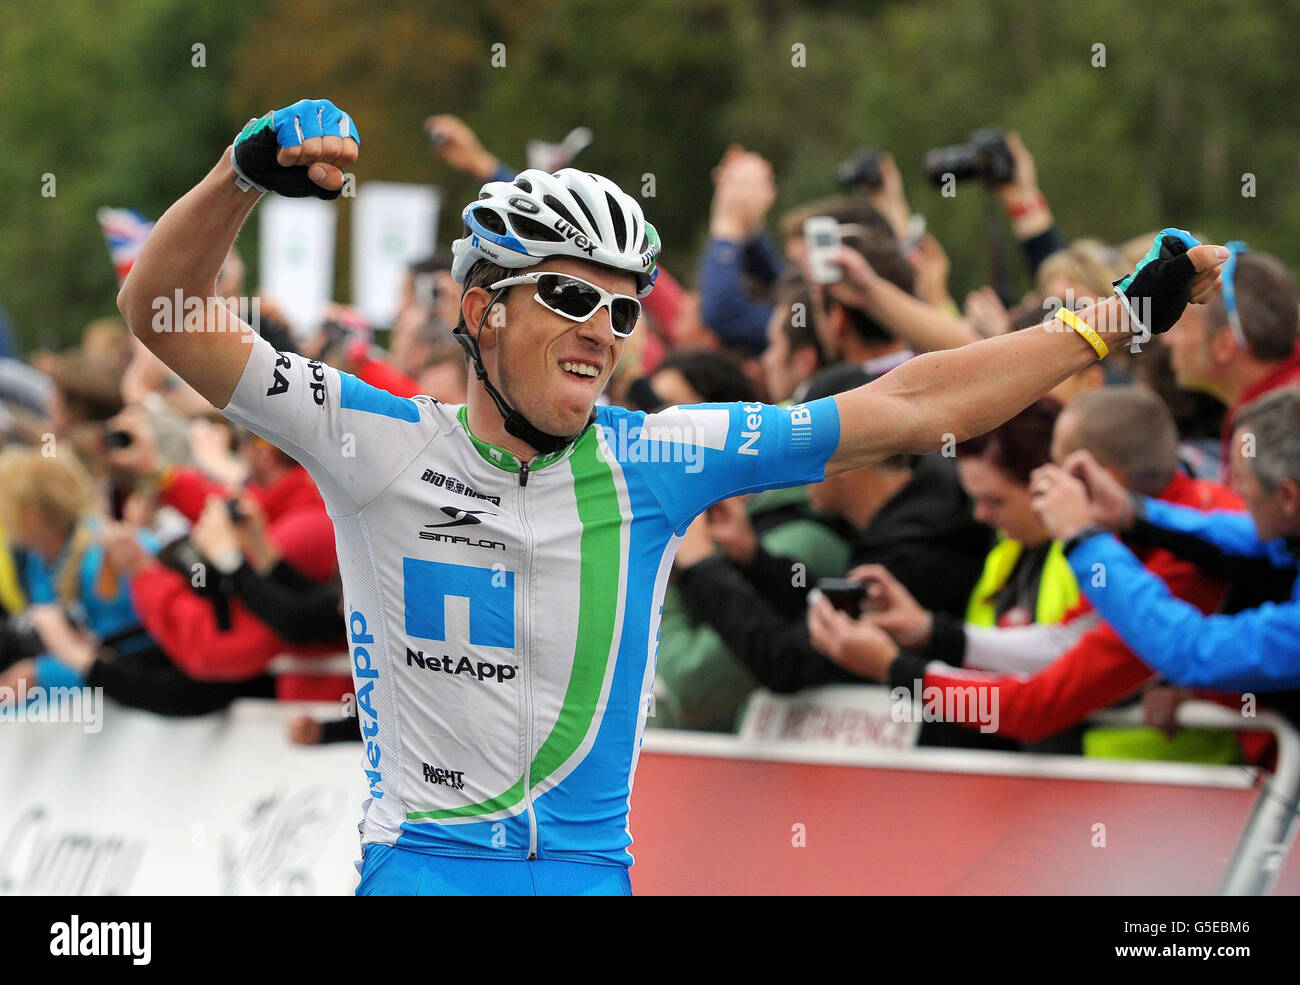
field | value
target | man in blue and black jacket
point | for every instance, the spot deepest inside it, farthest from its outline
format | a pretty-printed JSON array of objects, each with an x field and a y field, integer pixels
[{"x": 1257, "y": 648}]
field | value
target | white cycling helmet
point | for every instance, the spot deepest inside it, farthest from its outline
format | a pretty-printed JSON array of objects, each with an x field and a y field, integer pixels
[{"x": 567, "y": 214}]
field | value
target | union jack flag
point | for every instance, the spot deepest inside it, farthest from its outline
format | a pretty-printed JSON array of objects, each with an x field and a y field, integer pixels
[{"x": 126, "y": 231}]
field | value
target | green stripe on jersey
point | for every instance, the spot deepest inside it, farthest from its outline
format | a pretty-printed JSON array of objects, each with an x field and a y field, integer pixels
[{"x": 600, "y": 551}]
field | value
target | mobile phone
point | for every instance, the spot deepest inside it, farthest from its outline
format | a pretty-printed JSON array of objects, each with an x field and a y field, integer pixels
[
  {"x": 117, "y": 496},
  {"x": 424, "y": 287},
  {"x": 845, "y": 595},
  {"x": 114, "y": 439},
  {"x": 821, "y": 234}
]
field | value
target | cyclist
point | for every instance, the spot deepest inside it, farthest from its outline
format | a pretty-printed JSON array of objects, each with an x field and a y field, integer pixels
[{"x": 504, "y": 561}]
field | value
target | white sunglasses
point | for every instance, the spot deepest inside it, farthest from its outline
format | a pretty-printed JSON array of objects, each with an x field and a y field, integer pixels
[{"x": 577, "y": 300}]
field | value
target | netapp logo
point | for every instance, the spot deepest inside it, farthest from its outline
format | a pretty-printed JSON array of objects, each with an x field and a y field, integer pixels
[
  {"x": 440, "y": 777},
  {"x": 481, "y": 671},
  {"x": 753, "y": 429}
]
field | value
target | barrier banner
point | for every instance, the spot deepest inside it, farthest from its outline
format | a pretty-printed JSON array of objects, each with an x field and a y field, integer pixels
[{"x": 218, "y": 805}]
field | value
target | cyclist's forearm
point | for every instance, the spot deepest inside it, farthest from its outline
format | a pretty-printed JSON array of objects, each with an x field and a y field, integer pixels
[
  {"x": 958, "y": 393},
  {"x": 187, "y": 246}
]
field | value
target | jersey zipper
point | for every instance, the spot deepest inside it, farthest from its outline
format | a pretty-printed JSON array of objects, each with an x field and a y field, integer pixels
[{"x": 528, "y": 667}]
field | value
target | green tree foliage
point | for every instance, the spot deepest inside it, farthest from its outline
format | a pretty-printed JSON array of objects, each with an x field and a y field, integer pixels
[
  {"x": 105, "y": 97},
  {"x": 1191, "y": 98}
]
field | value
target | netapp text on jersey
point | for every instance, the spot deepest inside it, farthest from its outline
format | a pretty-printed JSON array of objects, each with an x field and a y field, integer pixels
[{"x": 102, "y": 939}]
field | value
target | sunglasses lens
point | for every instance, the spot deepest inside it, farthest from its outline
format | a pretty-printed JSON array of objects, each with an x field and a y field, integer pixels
[
  {"x": 623, "y": 315},
  {"x": 568, "y": 296}
]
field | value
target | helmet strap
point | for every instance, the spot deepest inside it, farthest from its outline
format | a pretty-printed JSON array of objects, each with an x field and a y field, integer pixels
[{"x": 515, "y": 422}]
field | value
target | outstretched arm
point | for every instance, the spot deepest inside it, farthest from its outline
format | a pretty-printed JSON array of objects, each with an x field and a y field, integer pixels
[
  {"x": 184, "y": 252},
  {"x": 958, "y": 393}
]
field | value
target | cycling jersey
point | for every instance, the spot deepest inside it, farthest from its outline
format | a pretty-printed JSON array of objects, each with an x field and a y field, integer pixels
[{"x": 503, "y": 615}]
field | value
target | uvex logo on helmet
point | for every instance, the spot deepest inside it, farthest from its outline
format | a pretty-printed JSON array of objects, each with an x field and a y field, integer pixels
[{"x": 579, "y": 239}]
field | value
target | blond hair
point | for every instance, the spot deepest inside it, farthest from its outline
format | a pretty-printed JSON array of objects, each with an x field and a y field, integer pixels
[
  {"x": 58, "y": 489},
  {"x": 1089, "y": 262}
]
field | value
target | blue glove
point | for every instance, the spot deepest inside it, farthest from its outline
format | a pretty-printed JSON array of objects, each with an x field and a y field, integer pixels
[
  {"x": 1158, "y": 289},
  {"x": 256, "y": 147}
]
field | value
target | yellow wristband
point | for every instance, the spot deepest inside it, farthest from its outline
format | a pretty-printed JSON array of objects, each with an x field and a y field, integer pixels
[{"x": 1084, "y": 329}]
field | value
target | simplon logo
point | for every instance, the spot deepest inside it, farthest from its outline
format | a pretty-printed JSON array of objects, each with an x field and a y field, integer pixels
[{"x": 459, "y": 517}]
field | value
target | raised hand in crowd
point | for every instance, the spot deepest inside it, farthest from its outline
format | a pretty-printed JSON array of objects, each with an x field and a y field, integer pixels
[
  {"x": 1024, "y": 201},
  {"x": 986, "y": 313},
  {"x": 210, "y": 446},
  {"x": 744, "y": 190},
  {"x": 457, "y": 144},
  {"x": 930, "y": 261},
  {"x": 888, "y": 198},
  {"x": 215, "y": 534},
  {"x": 260, "y": 550},
  {"x": 138, "y": 455}
]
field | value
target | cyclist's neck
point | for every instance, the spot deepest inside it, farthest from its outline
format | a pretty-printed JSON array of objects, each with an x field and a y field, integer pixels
[{"x": 486, "y": 424}]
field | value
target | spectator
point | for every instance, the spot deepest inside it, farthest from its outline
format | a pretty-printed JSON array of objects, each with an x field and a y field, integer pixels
[
  {"x": 908, "y": 513},
  {"x": 1256, "y": 649},
  {"x": 794, "y": 351},
  {"x": 1243, "y": 343},
  {"x": 1025, "y": 578},
  {"x": 190, "y": 604},
  {"x": 444, "y": 375},
  {"x": 739, "y": 260},
  {"x": 1044, "y": 679},
  {"x": 699, "y": 683}
]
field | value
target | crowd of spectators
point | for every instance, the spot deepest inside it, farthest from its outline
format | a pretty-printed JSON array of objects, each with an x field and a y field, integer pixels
[{"x": 150, "y": 547}]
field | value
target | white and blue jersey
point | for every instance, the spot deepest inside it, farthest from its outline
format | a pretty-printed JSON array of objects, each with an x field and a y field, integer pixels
[{"x": 503, "y": 616}]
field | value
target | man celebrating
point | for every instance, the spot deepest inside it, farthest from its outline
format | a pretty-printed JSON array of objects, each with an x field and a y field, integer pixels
[{"x": 504, "y": 562}]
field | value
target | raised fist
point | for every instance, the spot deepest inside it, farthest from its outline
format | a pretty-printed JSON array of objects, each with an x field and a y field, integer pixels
[{"x": 298, "y": 152}]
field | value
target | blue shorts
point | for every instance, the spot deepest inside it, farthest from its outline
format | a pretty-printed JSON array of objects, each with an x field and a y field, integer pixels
[{"x": 390, "y": 871}]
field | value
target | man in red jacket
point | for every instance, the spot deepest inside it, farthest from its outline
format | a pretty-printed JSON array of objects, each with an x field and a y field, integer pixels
[
  {"x": 281, "y": 515},
  {"x": 1132, "y": 434}
]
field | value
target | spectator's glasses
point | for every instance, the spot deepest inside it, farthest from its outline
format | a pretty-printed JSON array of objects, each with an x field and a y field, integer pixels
[
  {"x": 577, "y": 300},
  {"x": 1235, "y": 249}
]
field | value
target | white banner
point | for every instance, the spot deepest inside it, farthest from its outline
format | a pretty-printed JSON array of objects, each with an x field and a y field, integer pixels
[
  {"x": 851, "y": 716},
  {"x": 218, "y": 805},
  {"x": 296, "y": 265},
  {"x": 393, "y": 225}
]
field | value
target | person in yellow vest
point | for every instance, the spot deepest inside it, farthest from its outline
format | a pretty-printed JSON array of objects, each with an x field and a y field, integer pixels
[{"x": 1025, "y": 578}]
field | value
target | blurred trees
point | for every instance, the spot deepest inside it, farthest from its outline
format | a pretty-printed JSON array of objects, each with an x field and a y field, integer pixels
[{"x": 104, "y": 96}]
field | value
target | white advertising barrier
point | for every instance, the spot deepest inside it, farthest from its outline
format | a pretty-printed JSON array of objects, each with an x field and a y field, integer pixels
[
  {"x": 296, "y": 257},
  {"x": 218, "y": 805},
  {"x": 393, "y": 225},
  {"x": 845, "y": 716}
]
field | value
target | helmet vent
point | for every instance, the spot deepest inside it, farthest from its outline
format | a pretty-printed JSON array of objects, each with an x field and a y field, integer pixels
[
  {"x": 586, "y": 210},
  {"x": 523, "y": 184},
  {"x": 490, "y": 221},
  {"x": 620, "y": 226},
  {"x": 532, "y": 229},
  {"x": 559, "y": 207}
]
